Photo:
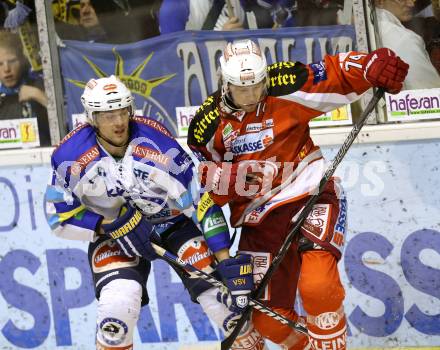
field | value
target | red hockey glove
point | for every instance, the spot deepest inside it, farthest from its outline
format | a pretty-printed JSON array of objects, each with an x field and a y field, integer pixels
[{"x": 382, "y": 68}]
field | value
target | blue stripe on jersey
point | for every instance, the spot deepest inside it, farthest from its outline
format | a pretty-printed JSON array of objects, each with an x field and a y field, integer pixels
[
  {"x": 219, "y": 242},
  {"x": 53, "y": 195}
]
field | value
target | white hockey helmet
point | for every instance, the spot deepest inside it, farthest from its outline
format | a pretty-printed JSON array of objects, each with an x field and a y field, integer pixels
[
  {"x": 243, "y": 64},
  {"x": 106, "y": 94}
]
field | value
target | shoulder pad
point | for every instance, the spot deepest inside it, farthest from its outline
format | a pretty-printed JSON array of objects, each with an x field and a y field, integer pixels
[
  {"x": 79, "y": 146},
  {"x": 70, "y": 134},
  {"x": 205, "y": 122},
  {"x": 286, "y": 77},
  {"x": 73, "y": 133},
  {"x": 153, "y": 124}
]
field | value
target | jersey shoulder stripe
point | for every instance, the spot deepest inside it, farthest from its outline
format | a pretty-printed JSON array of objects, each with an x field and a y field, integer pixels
[
  {"x": 153, "y": 124},
  {"x": 70, "y": 134},
  {"x": 205, "y": 122},
  {"x": 286, "y": 77},
  {"x": 76, "y": 144},
  {"x": 149, "y": 133}
]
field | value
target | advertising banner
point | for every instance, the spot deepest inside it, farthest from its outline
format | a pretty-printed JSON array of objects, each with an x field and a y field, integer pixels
[
  {"x": 19, "y": 133},
  {"x": 339, "y": 116},
  {"x": 180, "y": 69},
  {"x": 184, "y": 115},
  {"x": 390, "y": 267},
  {"x": 411, "y": 105}
]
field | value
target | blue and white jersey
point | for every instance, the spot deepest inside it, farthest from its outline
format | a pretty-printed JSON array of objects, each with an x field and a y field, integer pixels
[{"x": 156, "y": 175}]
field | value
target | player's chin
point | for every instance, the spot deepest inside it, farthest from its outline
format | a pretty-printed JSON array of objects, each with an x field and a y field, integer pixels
[
  {"x": 120, "y": 140},
  {"x": 249, "y": 108}
]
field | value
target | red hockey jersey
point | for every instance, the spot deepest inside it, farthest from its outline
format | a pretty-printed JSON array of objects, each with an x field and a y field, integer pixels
[{"x": 275, "y": 138}]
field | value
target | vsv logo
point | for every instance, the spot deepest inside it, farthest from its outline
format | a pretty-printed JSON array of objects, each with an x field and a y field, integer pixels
[{"x": 239, "y": 282}]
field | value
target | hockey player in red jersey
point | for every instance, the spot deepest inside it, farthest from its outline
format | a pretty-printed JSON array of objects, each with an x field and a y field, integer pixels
[{"x": 257, "y": 155}]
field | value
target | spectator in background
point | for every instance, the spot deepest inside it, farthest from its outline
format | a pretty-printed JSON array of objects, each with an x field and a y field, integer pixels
[
  {"x": 21, "y": 18},
  {"x": 66, "y": 11},
  {"x": 318, "y": 12},
  {"x": 436, "y": 9},
  {"x": 126, "y": 21},
  {"x": 90, "y": 22},
  {"x": 87, "y": 14},
  {"x": 424, "y": 22},
  {"x": 3, "y": 12},
  {"x": 178, "y": 15},
  {"x": 89, "y": 28},
  {"x": 434, "y": 44},
  {"x": 406, "y": 43},
  {"x": 269, "y": 13},
  {"x": 112, "y": 21},
  {"x": 434, "y": 53},
  {"x": 18, "y": 15},
  {"x": 21, "y": 90}
]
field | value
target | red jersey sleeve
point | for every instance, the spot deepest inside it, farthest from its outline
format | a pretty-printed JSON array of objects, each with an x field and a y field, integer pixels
[
  {"x": 323, "y": 86},
  {"x": 202, "y": 130}
]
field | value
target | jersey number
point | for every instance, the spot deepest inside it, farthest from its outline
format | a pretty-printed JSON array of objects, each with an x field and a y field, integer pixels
[{"x": 349, "y": 64}]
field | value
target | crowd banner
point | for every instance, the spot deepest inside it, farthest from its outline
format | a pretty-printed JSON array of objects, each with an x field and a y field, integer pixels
[
  {"x": 180, "y": 69},
  {"x": 390, "y": 267}
]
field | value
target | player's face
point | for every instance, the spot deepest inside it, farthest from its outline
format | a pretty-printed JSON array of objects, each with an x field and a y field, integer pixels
[
  {"x": 247, "y": 97},
  {"x": 10, "y": 67},
  {"x": 113, "y": 125}
]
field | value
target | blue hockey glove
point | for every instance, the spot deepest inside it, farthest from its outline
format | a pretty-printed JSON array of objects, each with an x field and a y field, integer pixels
[
  {"x": 237, "y": 275},
  {"x": 132, "y": 233}
]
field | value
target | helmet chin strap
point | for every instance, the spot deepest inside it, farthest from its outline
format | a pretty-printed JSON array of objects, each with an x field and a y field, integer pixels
[
  {"x": 98, "y": 134},
  {"x": 110, "y": 142},
  {"x": 227, "y": 100},
  {"x": 263, "y": 97}
]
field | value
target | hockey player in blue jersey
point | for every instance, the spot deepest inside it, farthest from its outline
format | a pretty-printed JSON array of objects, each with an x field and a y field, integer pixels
[{"x": 120, "y": 181}]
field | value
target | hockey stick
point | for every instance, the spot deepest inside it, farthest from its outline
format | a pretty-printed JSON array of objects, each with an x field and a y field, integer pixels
[
  {"x": 171, "y": 258},
  {"x": 228, "y": 341}
]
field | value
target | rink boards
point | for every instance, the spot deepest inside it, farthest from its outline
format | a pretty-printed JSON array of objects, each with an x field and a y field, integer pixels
[{"x": 391, "y": 264}]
